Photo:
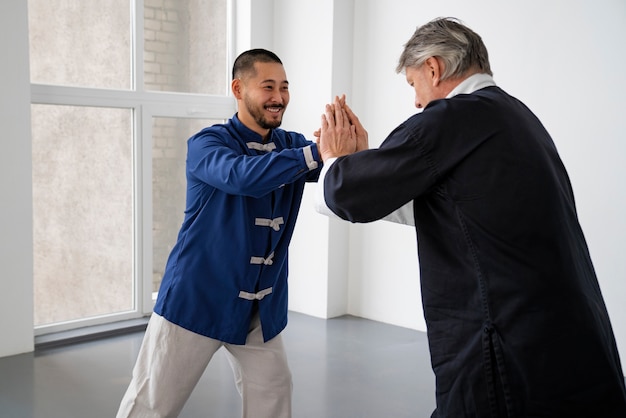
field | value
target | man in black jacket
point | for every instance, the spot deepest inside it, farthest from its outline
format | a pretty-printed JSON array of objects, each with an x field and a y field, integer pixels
[{"x": 516, "y": 322}]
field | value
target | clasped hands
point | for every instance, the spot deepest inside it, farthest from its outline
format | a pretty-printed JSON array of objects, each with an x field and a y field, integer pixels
[{"x": 341, "y": 132}]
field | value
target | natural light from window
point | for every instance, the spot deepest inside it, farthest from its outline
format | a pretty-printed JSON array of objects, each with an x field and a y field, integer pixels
[{"x": 110, "y": 122}]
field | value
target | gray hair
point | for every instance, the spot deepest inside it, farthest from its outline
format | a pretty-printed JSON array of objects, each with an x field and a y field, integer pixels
[{"x": 460, "y": 48}]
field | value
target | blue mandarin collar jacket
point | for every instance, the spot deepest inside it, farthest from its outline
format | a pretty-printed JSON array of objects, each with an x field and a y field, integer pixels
[{"x": 243, "y": 197}]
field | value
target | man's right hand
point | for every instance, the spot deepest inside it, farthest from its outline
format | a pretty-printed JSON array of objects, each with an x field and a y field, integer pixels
[
  {"x": 362, "y": 142},
  {"x": 337, "y": 136}
]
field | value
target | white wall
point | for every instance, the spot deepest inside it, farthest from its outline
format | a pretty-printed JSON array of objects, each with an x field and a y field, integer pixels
[
  {"x": 16, "y": 261},
  {"x": 307, "y": 39}
]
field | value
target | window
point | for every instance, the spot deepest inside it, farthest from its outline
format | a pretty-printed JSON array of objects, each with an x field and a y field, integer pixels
[
  {"x": 117, "y": 88},
  {"x": 80, "y": 43},
  {"x": 83, "y": 212}
]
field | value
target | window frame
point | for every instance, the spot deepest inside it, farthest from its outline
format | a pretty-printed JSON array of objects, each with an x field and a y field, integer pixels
[{"x": 145, "y": 105}]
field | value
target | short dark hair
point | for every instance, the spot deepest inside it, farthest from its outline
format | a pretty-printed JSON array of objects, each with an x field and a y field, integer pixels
[{"x": 246, "y": 60}]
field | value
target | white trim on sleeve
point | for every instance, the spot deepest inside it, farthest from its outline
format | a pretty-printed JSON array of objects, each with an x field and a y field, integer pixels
[{"x": 308, "y": 158}]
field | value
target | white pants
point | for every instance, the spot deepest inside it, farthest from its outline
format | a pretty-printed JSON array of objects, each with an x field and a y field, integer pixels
[{"x": 172, "y": 359}]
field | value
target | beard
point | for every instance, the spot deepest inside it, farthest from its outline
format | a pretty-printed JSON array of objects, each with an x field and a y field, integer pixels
[{"x": 258, "y": 113}]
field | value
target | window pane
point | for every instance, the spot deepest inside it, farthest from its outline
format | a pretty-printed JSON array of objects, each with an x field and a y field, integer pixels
[
  {"x": 185, "y": 46},
  {"x": 83, "y": 212},
  {"x": 169, "y": 152},
  {"x": 82, "y": 43}
]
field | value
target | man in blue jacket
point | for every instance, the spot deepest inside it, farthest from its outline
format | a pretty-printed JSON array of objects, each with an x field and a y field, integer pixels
[
  {"x": 225, "y": 283},
  {"x": 517, "y": 325}
]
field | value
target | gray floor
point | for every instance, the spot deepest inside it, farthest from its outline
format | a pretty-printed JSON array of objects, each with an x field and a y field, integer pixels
[{"x": 343, "y": 368}]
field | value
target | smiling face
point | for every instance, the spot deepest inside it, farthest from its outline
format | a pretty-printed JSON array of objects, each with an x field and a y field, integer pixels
[{"x": 262, "y": 97}]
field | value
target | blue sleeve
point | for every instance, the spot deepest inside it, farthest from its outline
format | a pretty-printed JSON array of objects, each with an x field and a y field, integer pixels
[{"x": 221, "y": 163}]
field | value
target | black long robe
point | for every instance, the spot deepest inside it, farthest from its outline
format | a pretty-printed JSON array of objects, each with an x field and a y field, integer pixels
[{"x": 516, "y": 322}]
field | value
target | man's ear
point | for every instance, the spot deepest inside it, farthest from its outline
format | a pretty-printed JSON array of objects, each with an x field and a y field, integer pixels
[
  {"x": 236, "y": 87},
  {"x": 435, "y": 68}
]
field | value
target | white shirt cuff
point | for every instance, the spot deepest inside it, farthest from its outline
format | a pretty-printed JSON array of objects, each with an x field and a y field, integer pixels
[{"x": 320, "y": 201}]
